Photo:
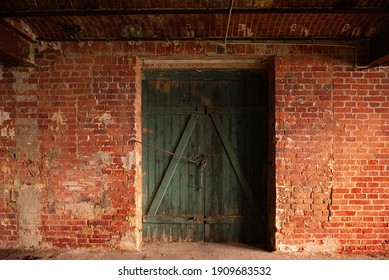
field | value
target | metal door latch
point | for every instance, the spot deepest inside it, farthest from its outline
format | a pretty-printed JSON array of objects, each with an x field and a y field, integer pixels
[
  {"x": 202, "y": 220},
  {"x": 202, "y": 164}
]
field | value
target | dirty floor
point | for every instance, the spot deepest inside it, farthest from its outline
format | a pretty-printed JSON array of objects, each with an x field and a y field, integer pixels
[{"x": 178, "y": 251}]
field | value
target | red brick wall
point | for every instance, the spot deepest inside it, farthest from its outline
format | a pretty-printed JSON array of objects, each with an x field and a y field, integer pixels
[
  {"x": 87, "y": 119},
  {"x": 67, "y": 125},
  {"x": 304, "y": 153},
  {"x": 8, "y": 218},
  {"x": 83, "y": 109},
  {"x": 8, "y": 163},
  {"x": 331, "y": 156},
  {"x": 360, "y": 198}
]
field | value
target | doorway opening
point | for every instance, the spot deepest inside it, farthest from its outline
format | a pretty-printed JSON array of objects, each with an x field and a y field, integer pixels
[{"x": 205, "y": 156}]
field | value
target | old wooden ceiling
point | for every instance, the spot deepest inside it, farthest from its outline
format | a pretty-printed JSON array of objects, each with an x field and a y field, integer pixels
[{"x": 314, "y": 21}]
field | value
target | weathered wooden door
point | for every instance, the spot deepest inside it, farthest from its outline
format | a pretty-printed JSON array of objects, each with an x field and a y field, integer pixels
[{"x": 204, "y": 156}]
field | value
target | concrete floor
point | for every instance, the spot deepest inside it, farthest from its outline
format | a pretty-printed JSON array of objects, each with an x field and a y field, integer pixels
[{"x": 177, "y": 251}]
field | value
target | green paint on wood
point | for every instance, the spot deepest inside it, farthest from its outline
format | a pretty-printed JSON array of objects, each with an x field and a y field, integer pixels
[
  {"x": 220, "y": 119},
  {"x": 156, "y": 202},
  {"x": 235, "y": 164}
]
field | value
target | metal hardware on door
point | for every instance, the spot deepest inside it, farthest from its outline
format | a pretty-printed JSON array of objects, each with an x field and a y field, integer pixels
[
  {"x": 203, "y": 220},
  {"x": 165, "y": 151},
  {"x": 200, "y": 110},
  {"x": 202, "y": 167},
  {"x": 196, "y": 219}
]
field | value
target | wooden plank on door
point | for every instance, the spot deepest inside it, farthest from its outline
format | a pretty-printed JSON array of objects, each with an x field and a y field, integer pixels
[
  {"x": 157, "y": 199},
  {"x": 235, "y": 164}
]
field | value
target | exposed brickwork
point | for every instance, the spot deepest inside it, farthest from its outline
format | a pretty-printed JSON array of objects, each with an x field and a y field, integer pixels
[
  {"x": 9, "y": 221},
  {"x": 8, "y": 215},
  {"x": 332, "y": 178},
  {"x": 360, "y": 198},
  {"x": 66, "y": 137},
  {"x": 304, "y": 154},
  {"x": 74, "y": 123},
  {"x": 88, "y": 121}
]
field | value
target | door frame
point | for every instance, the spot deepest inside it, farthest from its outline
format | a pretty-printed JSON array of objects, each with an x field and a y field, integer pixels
[{"x": 263, "y": 63}]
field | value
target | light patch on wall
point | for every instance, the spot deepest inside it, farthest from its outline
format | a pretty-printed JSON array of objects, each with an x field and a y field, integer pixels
[
  {"x": 357, "y": 32},
  {"x": 288, "y": 248},
  {"x": 6, "y": 170},
  {"x": 244, "y": 30},
  {"x": 263, "y": 3},
  {"x": 6, "y": 131},
  {"x": 42, "y": 46},
  {"x": 4, "y": 116},
  {"x": 371, "y": 31},
  {"x": 59, "y": 119},
  {"x": 129, "y": 160},
  {"x": 305, "y": 32},
  {"x": 130, "y": 242},
  {"x": 103, "y": 158},
  {"x": 80, "y": 209},
  {"x": 29, "y": 212},
  {"x": 293, "y": 27},
  {"x": 328, "y": 245},
  {"x": 189, "y": 31},
  {"x": 362, "y": 3},
  {"x": 106, "y": 118},
  {"x": 346, "y": 27},
  {"x": 21, "y": 85}
]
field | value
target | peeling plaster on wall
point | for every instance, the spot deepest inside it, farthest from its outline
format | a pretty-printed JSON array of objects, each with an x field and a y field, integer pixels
[
  {"x": 20, "y": 85},
  {"x": 6, "y": 131},
  {"x": 327, "y": 245},
  {"x": 245, "y": 30},
  {"x": 4, "y": 116},
  {"x": 59, "y": 118},
  {"x": 305, "y": 32},
  {"x": 129, "y": 160},
  {"x": 80, "y": 210},
  {"x": 29, "y": 213},
  {"x": 130, "y": 242},
  {"x": 106, "y": 118},
  {"x": 27, "y": 139},
  {"x": 288, "y": 248},
  {"x": 263, "y": 3},
  {"x": 103, "y": 158},
  {"x": 42, "y": 46},
  {"x": 6, "y": 170}
]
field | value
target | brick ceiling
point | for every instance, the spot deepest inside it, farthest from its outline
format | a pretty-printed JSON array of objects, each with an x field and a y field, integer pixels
[
  {"x": 353, "y": 22},
  {"x": 61, "y": 20}
]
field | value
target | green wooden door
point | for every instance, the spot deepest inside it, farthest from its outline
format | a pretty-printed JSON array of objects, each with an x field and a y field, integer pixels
[{"x": 204, "y": 156}]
